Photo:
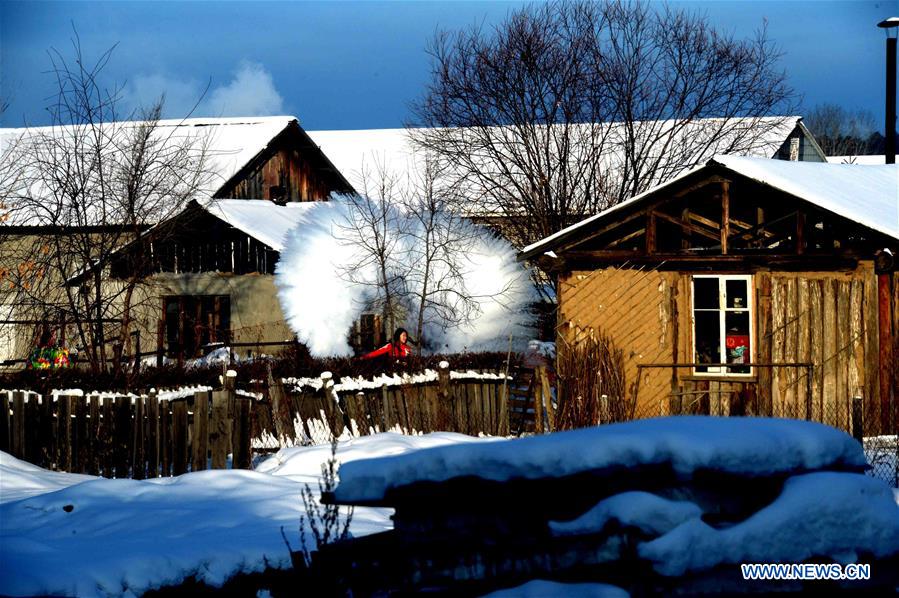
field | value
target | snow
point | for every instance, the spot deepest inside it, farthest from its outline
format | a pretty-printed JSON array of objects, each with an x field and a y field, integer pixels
[
  {"x": 325, "y": 281},
  {"x": 539, "y": 588},
  {"x": 742, "y": 446},
  {"x": 391, "y": 149},
  {"x": 873, "y": 160},
  {"x": 643, "y": 510},
  {"x": 840, "y": 515},
  {"x": 261, "y": 219},
  {"x": 349, "y": 384},
  {"x": 124, "y": 537},
  {"x": 868, "y": 195}
]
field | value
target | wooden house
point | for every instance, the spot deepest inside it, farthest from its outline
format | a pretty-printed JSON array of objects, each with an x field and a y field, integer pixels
[
  {"x": 212, "y": 266},
  {"x": 744, "y": 286}
]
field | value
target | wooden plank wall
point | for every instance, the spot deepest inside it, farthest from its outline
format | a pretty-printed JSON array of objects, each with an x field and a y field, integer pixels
[
  {"x": 641, "y": 311},
  {"x": 828, "y": 319},
  {"x": 286, "y": 167}
]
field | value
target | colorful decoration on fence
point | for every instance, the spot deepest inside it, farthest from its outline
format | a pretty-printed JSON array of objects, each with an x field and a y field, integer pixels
[{"x": 45, "y": 358}]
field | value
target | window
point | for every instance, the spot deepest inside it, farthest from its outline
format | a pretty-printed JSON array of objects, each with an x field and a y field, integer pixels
[
  {"x": 192, "y": 322},
  {"x": 722, "y": 324}
]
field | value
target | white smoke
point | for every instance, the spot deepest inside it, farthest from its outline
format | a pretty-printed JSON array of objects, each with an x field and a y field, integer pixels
[{"x": 321, "y": 303}]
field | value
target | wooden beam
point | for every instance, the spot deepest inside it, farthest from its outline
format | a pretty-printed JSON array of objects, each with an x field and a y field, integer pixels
[
  {"x": 800, "y": 232},
  {"x": 713, "y": 235},
  {"x": 700, "y": 184},
  {"x": 598, "y": 232},
  {"x": 650, "y": 233},
  {"x": 628, "y": 237},
  {"x": 725, "y": 215},
  {"x": 703, "y": 220},
  {"x": 686, "y": 239}
]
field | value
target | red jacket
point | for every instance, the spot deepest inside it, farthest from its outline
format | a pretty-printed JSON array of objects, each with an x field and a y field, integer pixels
[{"x": 396, "y": 351}]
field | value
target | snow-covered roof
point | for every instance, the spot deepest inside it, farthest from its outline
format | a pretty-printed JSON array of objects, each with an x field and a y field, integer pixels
[
  {"x": 687, "y": 443},
  {"x": 868, "y": 195},
  {"x": 875, "y": 160},
  {"x": 392, "y": 149},
  {"x": 232, "y": 142},
  {"x": 262, "y": 219}
]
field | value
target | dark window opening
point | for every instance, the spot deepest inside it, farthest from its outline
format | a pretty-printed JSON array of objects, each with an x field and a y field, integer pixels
[{"x": 196, "y": 323}]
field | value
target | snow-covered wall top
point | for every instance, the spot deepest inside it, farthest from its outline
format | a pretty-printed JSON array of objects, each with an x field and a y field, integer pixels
[{"x": 743, "y": 446}]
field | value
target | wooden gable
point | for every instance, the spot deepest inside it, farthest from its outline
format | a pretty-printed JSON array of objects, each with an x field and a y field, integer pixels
[{"x": 291, "y": 168}]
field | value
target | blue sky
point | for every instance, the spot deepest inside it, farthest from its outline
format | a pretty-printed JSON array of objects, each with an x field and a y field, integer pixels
[{"x": 354, "y": 65}]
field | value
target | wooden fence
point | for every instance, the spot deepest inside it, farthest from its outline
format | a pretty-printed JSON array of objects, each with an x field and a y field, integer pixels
[{"x": 149, "y": 435}]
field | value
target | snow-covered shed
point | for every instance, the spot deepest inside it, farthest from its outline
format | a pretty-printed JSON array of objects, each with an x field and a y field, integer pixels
[{"x": 744, "y": 286}]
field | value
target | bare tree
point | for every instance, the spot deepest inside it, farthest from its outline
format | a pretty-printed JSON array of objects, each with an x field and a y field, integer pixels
[
  {"x": 841, "y": 132},
  {"x": 567, "y": 108},
  {"x": 373, "y": 226},
  {"x": 438, "y": 239},
  {"x": 413, "y": 253},
  {"x": 85, "y": 186}
]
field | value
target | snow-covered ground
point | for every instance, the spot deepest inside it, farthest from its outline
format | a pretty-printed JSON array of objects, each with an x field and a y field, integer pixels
[{"x": 77, "y": 535}]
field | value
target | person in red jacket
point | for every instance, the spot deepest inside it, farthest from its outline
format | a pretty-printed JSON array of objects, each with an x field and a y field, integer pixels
[{"x": 398, "y": 348}]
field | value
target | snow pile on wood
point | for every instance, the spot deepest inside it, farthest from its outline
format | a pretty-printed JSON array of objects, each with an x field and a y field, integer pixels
[
  {"x": 741, "y": 446},
  {"x": 671, "y": 505}
]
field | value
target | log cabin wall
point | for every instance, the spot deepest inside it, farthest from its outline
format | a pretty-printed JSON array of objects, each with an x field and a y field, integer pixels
[
  {"x": 285, "y": 169},
  {"x": 828, "y": 319}
]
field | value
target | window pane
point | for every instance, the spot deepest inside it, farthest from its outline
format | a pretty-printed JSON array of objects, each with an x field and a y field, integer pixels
[
  {"x": 708, "y": 338},
  {"x": 736, "y": 339},
  {"x": 737, "y": 294},
  {"x": 705, "y": 293}
]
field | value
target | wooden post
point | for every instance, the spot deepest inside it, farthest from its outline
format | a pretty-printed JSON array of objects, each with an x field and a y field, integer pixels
[
  {"x": 123, "y": 436},
  {"x": 445, "y": 411},
  {"x": 219, "y": 429},
  {"x": 503, "y": 410},
  {"x": 230, "y": 388},
  {"x": 93, "y": 435},
  {"x": 650, "y": 233},
  {"x": 200, "y": 444},
  {"x": 385, "y": 409},
  {"x": 885, "y": 336},
  {"x": 165, "y": 437},
  {"x": 81, "y": 428},
  {"x": 139, "y": 438},
  {"x": 725, "y": 215},
  {"x": 604, "y": 408},
  {"x": 800, "y": 232},
  {"x": 547, "y": 399},
  {"x": 4, "y": 422},
  {"x": 537, "y": 385},
  {"x": 242, "y": 457},
  {"x": 179, "y": 436},
  {"x": 280, "y": 408},
  {"x": 857, "y": 419},
  {"x": 152, "y": 435},
  {"x": 17, "y": 436},
  {"x": 64, "y": 406}
]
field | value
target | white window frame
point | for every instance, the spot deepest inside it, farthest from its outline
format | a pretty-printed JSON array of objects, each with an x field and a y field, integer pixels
[{"x": 723, "y": 309}]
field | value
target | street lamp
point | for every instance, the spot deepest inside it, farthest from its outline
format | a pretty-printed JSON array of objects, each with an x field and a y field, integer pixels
[{"x": 890, "y": 27}]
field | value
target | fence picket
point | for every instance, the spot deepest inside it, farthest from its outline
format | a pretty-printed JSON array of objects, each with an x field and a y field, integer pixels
[{"x": 201, "y": 430}]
